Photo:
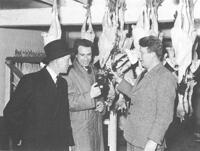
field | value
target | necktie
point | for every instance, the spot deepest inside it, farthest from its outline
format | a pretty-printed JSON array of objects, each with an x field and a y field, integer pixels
[
  {"x": 89, "y": 70},
  {"x": 59, "y": 96},
  {"x": 142, "y": 76},
  {"x": 58, "y": 81}
]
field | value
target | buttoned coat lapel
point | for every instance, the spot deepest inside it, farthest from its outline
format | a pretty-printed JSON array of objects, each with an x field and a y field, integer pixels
[
  {"x": 147, "y": 77},
  {"x": 84, "y": 75}
]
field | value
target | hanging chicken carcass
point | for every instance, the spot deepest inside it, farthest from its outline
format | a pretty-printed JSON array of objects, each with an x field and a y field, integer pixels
[
  {"x": 124, "y": 42},
  {"x": 54, "y": 32},
  {"x": 88, "y": 33},
  {"x": 107, "y": 39},
  {"x": 113, "y": 39},
  {"x": 183, "y": 36},
  {"x": 147, "y": 23}
]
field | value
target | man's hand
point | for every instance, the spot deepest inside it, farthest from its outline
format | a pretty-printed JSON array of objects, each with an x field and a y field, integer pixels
[
  {"x": 95, "y": 91},
  {"x": 70, "y": 148},
  {"x": 121, "y": 104},
  {"x": 99, "y": 106},
  {"x": 150, "y": 146}
]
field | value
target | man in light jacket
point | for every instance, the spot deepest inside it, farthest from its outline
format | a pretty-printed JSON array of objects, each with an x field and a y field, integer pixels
[
  {"x": 152, "y": 100},
  {"x": 85, "y": 105}
]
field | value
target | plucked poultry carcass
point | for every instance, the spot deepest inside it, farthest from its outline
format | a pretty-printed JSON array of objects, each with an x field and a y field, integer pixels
[
  {"x": 87, "y": 33},
  {"x": 54, "y": 32},
  {"x": 182, "y": 42},
  {"x": 147, "y": 23},
  {"x": 183, "y": 36},
  {"x": 141, "y": 29},
  {"x": 107, "y": 39}
]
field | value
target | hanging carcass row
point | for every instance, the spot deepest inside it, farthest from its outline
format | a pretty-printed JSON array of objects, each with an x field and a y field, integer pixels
[
  {"x": 147, "y": 24},
  {"x": 118, "y": 48},
  {"x": 183, "y": 37},
  {"x": 113, "y": 39}
]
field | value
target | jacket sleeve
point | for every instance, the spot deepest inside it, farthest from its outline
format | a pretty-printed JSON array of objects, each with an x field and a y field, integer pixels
[
  {"x": 126, "y": 88},
  {"x": 79, "y": 101},
  {"x": 166, "y": 94},
  {"x": 15, "y": 110}
]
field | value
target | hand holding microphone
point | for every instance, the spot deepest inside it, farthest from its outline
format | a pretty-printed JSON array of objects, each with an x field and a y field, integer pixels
[{"x": 95, "y": 90}]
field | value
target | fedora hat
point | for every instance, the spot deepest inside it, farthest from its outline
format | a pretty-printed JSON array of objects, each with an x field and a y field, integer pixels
[{"x": 56, "y": 49}]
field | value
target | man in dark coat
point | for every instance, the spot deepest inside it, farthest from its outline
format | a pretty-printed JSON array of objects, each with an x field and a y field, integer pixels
[{"x": 37, "y": 114}]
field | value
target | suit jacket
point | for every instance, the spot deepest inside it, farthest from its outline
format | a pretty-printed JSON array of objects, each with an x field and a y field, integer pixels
[
  {"x": 86, "y": 122},
  {"x": 152, "y": 106},
  {"x": 38, "y": 113}
]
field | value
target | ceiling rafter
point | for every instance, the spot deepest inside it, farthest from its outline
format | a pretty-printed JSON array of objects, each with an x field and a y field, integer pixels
[{"x": 73, "y": 13}]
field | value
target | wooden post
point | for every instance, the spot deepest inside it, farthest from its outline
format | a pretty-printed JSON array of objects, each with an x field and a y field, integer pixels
[
  {"x": 112, "y": 132},
  {"x": 7, "y": 84}
]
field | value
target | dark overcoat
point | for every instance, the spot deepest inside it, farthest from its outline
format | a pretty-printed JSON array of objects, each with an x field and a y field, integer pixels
[{"x": 38, "y": 113}]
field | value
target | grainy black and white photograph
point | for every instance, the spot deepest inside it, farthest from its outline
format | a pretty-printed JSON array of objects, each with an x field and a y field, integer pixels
[{"x": 99, "y": 75}]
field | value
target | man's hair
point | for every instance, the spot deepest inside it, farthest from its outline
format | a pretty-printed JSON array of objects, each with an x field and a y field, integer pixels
[
  {"x": 82, "y": 42},
  {"x": 153, "y": 44}
]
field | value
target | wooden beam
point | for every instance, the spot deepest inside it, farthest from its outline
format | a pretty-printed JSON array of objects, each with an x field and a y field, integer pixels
[
  {"x": 31, "y": 60},
  {"x": 14, "y": 69},
  {"x": 73, "y": 13},
  {"x": 50, "y": 2}
]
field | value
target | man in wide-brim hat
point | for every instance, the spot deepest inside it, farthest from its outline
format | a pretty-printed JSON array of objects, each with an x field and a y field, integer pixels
[{"x": 37, "y": 113}]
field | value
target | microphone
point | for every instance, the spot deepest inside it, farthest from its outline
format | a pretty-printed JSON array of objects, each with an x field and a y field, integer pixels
[{"x": 89, "y": 70}]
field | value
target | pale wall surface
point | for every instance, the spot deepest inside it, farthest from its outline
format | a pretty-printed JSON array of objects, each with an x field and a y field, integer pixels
[{"x": 10, "y": 40}]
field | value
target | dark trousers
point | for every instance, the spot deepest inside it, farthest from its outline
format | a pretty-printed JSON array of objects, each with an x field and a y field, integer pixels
[
  {"x": 31, "y": 146},
  {"x": 42, "y": 149},
  {"x": 196, "y": 106}
]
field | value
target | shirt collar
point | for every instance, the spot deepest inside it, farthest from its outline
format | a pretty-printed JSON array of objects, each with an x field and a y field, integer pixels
[
  {"x": 82, "y": 68},
  {"x": 52, "y": 73}
]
